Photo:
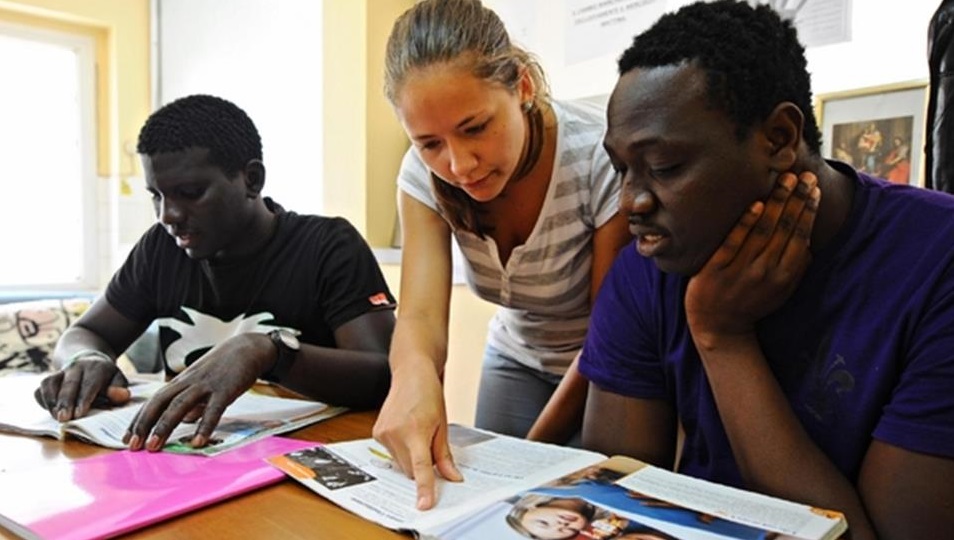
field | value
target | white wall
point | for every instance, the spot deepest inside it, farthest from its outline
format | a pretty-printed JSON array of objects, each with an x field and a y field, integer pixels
[
  {"x": 263, "y": 56},
  {"x": 266, "y": 57},
  {"x": 888, "y": 44}
]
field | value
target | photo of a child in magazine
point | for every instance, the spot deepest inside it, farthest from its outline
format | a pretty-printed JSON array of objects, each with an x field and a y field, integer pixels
[
  {"x": 588, "y": 505},
  {"x": 563, "y": 518}
]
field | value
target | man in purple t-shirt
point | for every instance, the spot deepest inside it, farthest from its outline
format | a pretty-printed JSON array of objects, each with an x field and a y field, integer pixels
[{"x": 794, "y": 317}]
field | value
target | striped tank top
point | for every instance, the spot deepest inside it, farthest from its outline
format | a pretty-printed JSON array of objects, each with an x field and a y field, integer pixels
[{"x": 544, "y": 290}]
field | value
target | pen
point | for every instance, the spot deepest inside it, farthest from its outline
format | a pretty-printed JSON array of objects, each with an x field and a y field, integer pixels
[{"x": 379, "y": 453}]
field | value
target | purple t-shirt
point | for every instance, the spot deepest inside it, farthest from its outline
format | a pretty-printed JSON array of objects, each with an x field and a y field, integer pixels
[{"x": 864, "y": 348}]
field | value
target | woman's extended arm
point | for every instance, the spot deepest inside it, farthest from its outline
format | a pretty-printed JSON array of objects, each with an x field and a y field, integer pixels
[{"x": 413, "y": 421}]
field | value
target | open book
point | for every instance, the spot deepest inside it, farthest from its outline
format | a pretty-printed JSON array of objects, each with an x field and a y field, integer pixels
[
  {"x": 519, "y": 489},
  {"x": 250, "y": 417}
]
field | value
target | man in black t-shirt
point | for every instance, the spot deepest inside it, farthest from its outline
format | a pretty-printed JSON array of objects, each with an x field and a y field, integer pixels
[{"x": 240, "y": 289}]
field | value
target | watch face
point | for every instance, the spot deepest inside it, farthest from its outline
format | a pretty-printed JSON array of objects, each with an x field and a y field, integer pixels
[
  {"x": 289, "y": 339},
  {"x": 287, "y": 344}
]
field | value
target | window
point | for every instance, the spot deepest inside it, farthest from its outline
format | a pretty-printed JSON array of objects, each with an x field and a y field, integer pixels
[{"x": 47, "y": 148}]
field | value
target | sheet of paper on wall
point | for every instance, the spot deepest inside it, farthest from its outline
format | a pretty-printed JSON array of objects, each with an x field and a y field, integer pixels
[
  {"x": 604, "y": 28},
  {"x": 819, "y": 22}
]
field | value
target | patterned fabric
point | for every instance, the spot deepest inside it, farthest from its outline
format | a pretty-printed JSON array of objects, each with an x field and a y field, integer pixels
[
  {"x": 544, "y": 289},
  {"x": 29, "y": 331}
]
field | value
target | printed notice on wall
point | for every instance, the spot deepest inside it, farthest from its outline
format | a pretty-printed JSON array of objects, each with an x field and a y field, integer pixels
[
  {"x": 819, "y": 22},
  {"x": 596, "y": 28}
]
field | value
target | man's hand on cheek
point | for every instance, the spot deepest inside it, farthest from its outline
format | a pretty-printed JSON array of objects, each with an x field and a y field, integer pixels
[{"x": 758, "y": 265}]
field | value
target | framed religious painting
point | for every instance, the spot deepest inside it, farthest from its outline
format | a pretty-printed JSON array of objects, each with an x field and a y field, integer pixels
[{"x": 877, "y": 130}]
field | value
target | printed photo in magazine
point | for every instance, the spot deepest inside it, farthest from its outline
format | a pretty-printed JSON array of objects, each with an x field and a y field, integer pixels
[
  {"x": 360, "y": 476},
  {"x": 589, "y": 504},
  {"x": 518, "y": 489}
]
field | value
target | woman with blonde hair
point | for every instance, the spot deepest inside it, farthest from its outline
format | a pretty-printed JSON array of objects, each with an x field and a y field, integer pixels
[{"x": 522, "y": 183}]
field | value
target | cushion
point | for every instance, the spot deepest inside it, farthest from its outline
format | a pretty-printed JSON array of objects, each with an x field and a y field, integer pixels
[{"x": 29, "y": 331}]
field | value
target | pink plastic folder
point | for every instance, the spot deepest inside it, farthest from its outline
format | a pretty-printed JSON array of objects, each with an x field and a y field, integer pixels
[{"x": 111, "y": 494}]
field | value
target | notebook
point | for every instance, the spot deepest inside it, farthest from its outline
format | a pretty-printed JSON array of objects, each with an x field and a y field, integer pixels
[{"x": 111, "y": 494}]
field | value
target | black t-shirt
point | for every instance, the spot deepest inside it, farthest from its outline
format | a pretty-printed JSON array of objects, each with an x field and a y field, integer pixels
[{"x": 315, "y": 274}]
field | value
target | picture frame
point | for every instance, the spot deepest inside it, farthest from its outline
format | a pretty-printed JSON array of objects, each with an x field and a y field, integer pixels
[{"x": 878, "y": 130}]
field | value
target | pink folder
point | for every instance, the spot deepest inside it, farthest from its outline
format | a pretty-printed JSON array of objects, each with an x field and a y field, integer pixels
[{"x": 110, "y": 494}]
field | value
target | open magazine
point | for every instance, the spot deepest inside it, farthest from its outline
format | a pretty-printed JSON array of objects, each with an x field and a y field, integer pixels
[
  {"x": 250, "y": 417},
  {"x": 520, "y": 489}
]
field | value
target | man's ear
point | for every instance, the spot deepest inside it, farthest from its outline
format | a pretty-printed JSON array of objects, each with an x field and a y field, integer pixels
[
  {"x": 783, "y": 133},
  {"x": 254, "y": 178}
]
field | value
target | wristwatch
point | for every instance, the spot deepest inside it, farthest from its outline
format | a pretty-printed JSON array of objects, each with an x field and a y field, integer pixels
[{"x": 287, "y": 344}]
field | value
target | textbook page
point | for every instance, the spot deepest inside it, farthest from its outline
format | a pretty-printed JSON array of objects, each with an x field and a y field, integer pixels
[
  {"x": 20, "y": 413},
  {"x": 624, "y": 498},
  {"x": 755, "y": 509},
  {"x": 360, "y": 477},
  {"x": 252, "y": 417},
  {"x": 249, "y": 418}
]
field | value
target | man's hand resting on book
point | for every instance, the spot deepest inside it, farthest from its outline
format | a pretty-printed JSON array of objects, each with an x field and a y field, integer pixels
[
  {"x": 87, "y": 382},
  {"x": 202, "y": 392}
]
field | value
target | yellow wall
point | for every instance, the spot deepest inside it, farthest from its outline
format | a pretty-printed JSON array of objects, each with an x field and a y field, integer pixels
[
  {"x": 359, "y": 122},
  {"x": 121, "y": 31},
  {"x": 387, "y": 141},
  {"x": 345, "y": 85}
]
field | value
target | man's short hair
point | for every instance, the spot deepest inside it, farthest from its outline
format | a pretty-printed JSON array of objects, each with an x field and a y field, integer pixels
[
  {"x": 203, "y": 121},
  {"x": 751, "y": 56}
]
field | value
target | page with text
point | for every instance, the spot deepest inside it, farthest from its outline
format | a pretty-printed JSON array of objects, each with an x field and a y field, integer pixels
[{"x": 359, "y": 476}]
